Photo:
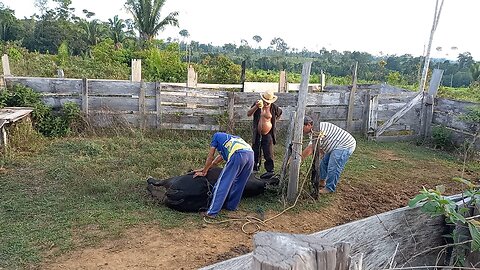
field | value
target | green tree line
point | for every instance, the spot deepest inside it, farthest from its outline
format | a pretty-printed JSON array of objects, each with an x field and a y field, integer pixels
[{"x": 84, "y": 46}]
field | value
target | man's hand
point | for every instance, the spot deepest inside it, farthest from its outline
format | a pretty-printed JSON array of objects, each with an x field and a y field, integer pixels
[{"x": 199, "y": 172}]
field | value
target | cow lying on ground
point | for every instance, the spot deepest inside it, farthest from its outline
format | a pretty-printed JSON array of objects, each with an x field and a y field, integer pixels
[{"x": 187, "y": 194}]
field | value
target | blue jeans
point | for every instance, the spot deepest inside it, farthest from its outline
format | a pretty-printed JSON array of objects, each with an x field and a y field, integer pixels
[{"x": 332, "y": 165}]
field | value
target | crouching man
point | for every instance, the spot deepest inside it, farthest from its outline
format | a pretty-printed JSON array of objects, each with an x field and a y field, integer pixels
[{"x": 333, "y": 147}]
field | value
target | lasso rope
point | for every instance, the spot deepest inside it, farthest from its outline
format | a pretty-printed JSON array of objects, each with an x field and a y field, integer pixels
[{"x": 258, "y": 222}]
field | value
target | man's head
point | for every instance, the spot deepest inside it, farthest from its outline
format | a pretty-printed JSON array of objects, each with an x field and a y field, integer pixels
[
  {"x": 307, "y": 124},
  {"x": 268, "y": 97}
]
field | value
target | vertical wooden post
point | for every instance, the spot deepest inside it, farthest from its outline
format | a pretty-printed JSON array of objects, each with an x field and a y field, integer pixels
[
  {"x": 85, "y": 97},
  {"x": 231, "y": 112},
  {"x": 372, "y": 115},
  {"x": 322, "y": 81},
  {"x": 60, "y": 73},
  {"x": 141, "y": 104},
  {"x": 158, "y": 103},
  {"x": 288, "y": 148},
  {"x": 282, "y": 83},
  {"x": 3, "y": 135},
  {"x": 6, "y": 65},
  {"x": 136, "y": 70},
  {"x": 292, "y": 189},
  {"x": 243, "y": 75},
  {"x": 191, "y": 77},
  {"x": 428, "y": 102},
  {"x": 351, "y": 101}
]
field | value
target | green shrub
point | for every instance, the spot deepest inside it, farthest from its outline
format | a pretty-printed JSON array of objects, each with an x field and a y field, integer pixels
[
  {"x": 441, "y": 137},
  {"x": 45, "y": 120}
]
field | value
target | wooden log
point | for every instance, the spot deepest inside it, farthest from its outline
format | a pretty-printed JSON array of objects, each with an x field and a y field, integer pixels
[
  {"x": 288, "y": 149},
  {"x": 294, "y": 251},
  {"x": 6, "y": 65},
  {"x": 292, "y": 189},
  {"x": 377, "y": 237},
  {"x": 351, "y": 100},
  {"x": 428, "y": 102}
]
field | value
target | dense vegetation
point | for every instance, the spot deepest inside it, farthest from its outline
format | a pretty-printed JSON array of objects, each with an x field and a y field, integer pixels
[{"x": 88, "y": 47}]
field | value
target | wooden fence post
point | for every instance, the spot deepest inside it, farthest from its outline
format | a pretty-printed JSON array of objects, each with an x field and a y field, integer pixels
[
  {"x": 231, "y": 112},
  {"x": 158, "y": 104},
  {"x": 191, "y": 77},
  {"x": 243, "y": 76},
  {"x": 282, "y": 83},
  {"x": 322, "y": 81},
  {"x": 141, "y": 104},
  {"x": 292, "y": 189},
  {"x": 351, "y": 101},
  {"x": 85, "y": 97},
  {"x": 60, "y": 73},
  {"x": 428, "y": 102},
  {"x": 6, "y": 65},
  {"x": 136, "y": 70},
  {"x": 288, "y": 148}
]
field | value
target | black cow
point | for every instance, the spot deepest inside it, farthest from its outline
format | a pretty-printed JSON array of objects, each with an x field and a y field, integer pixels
[{"x": 187, "y": 194}]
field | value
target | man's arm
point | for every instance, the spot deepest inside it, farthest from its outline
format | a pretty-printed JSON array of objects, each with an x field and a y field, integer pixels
[
  {"x": 208, "y": 163},
  {"x": 252, "y": 109},
  {"x": 307, "y": 151}
]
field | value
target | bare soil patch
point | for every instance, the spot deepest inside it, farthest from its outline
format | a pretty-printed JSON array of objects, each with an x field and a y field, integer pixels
[{"x": 202, "y": 245}]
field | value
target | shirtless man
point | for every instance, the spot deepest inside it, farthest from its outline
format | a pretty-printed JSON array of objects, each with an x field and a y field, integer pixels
[{"x": 265, "y": 114}]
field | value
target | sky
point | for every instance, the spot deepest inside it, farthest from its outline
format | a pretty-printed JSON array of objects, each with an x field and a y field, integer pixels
[{"x": 379, "y": 27}]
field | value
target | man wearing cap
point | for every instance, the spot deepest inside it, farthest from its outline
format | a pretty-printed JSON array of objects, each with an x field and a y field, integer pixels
[
  {"x": 333, "y": 147},
  {"x": 265, "y": 114}
]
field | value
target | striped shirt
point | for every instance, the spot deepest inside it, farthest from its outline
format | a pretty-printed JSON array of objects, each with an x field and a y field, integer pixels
[{"x": 333, "y": 138}]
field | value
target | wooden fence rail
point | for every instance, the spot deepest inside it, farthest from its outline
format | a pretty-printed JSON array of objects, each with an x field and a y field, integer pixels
[{"x": 172, "y": 106}]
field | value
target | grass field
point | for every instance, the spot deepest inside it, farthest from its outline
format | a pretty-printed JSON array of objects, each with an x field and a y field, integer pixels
[{"x": 57, "y": 195}]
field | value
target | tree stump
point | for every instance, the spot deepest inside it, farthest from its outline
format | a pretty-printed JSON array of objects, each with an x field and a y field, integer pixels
[{"x": 278, "y": 251}]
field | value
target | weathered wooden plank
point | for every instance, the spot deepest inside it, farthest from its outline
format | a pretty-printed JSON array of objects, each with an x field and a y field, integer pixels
[
  {"x": 114, "y": 88},
  {"x": 84, "y": 100},
  {"x": 377, "y": 238},
  {"x": 294, "y": 251},
  {"x": 399, "y": 114},
  {"x": 158, "y": 103},
  {"x": 324, "y": 113},
  {"x": 453, "y": 106},
  {"x": 131, "y": 104},
  {"x": 289, "y": 99},
  {"x": 351, "y": 100},
  {"x": 452, "y": 121},
  {"x": 402, "y": 97},
  {"x": 141, "y": 105},
  {"x": 48, "y": 85},
  {"x": 428, "y": 101},
  {"x": 231, "y": 112},
  {"x": 57, "y": 102},
  {"x": 292, "y": 188}
]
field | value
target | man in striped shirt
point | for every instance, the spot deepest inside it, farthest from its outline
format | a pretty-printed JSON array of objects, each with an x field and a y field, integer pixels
[{"x": 332, "y": 147}]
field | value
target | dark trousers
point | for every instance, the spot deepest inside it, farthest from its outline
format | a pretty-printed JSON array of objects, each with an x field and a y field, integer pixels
[{"x": 263, "y": 143}]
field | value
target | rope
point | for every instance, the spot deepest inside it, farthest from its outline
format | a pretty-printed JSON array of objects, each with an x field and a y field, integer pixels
[{"x": 258, "y": 222}]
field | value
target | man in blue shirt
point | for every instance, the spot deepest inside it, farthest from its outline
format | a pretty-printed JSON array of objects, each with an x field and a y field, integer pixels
[{"x": 233, "y": 178}]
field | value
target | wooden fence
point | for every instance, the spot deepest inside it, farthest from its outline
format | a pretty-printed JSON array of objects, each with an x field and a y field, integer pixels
[
  {"x": 397, "y": 237},
  {"x": 449, "y": 114},
  {"x": 161, "y": 105}
]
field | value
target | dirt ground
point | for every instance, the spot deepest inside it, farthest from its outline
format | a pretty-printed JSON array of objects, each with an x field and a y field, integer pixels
[{"x": 202, "y": 245}]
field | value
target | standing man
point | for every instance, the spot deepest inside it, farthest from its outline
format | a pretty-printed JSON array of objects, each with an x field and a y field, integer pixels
[
  {"x": 265, "y": 114},
  {"x": 234, "y": 176},
  {"x": 334, "y": 146}
]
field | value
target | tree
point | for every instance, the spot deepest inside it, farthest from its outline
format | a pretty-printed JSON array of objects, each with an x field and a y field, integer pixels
[
  {"x": 8, "y": 23},
  {"x": 146, "y": 14},
  {"x": 93, "y": 30},
  {"x": 465, "y": 60},
  {"x": 475, "y": 70},
  {"x": 257, "y": 39},
  {"x": 184, "y": 33},
  {"x": 280, "y": 44},
  {"x": 116, "y": 27}
]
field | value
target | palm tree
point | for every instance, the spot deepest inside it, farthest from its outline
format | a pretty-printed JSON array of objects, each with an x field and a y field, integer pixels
[
  {"x": 146, "y": 14},
  {"x": 93, "y": 31},
  {"x": 475, "y": 71},
  {"x": 116, "y": 30}
]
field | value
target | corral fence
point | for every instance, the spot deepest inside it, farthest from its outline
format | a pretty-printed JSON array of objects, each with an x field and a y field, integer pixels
[{"x": 163, "y": 105}]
